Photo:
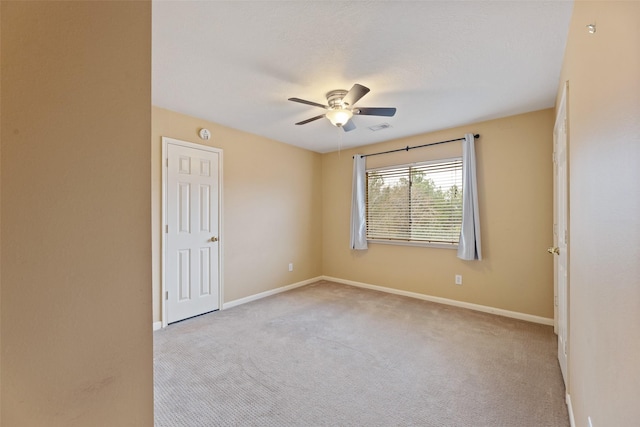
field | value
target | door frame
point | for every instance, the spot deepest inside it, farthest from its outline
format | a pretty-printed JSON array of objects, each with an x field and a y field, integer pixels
[{"x": 163, "y": 245}]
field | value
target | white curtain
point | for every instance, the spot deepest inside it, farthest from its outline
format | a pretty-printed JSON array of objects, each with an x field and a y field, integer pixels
[
  {"x": 469, "y": 246},
  {"x": 358, "y": 204}
]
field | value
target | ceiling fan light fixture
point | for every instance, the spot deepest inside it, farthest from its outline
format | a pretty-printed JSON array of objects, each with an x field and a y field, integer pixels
[
  {"x": 339, "y": 116},
  {"x": 340, "y": 107}
]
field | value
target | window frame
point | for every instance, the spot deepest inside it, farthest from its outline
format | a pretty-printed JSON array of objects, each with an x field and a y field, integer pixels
[{"x": 400, "y": 242}]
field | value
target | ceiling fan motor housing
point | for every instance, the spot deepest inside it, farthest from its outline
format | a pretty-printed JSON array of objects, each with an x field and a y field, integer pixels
[{"x": 335, "y": 97}]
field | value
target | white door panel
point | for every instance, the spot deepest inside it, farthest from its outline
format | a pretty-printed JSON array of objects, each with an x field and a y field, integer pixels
[
  {"x": 561, "y": 235},
  {"x": 192, "y": 262}
]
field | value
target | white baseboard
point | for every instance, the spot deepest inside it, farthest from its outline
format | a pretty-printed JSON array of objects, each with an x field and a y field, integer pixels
[
  {"x": 572, "y": 420},
  {"x": 468, "y": 305},
  {"x": 269, "y": 293}
]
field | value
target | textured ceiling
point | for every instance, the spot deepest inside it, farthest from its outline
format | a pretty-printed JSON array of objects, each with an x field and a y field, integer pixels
[{"x": 440, "y": 63}]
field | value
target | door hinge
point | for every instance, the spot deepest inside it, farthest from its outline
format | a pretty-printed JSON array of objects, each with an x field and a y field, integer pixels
[
  {"x": 166, "y": 163},
  {"x": 166, "y": 295},
  {"x": 555, "y": 300},
  {"x": 166, "y": 228},
  {"x": 566, "y": 237}
]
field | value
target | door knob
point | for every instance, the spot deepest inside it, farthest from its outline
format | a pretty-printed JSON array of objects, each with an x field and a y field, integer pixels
[
  {"x": 213, "y": 239},
  {"x": 554, "y": 250}
]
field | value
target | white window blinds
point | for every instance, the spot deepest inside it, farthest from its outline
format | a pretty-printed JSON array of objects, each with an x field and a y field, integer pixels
[{"x": 415, "y": 203}]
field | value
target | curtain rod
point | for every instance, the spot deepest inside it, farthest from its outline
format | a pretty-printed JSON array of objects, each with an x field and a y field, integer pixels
[{"x": 407, "y": 148}]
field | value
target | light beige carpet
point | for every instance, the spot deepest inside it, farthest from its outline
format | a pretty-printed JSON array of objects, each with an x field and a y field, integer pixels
[{"x": 333, "y": 355}]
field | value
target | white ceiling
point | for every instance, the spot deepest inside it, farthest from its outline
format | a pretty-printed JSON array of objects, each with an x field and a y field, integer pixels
[{"x": 440, "y": 63}]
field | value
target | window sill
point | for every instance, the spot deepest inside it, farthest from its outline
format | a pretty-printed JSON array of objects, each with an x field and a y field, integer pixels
[{"x": 418, "y": 244}]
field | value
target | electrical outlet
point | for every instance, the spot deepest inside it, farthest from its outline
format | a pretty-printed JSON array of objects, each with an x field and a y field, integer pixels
[
  {"x": 458, "y": 279},
  {"x": 290, "y": 266}
]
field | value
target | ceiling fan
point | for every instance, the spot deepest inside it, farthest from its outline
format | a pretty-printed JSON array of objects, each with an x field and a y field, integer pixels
[{"x": 341, "y": 107}]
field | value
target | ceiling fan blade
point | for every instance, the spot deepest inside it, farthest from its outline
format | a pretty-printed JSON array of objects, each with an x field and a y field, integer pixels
[
  {"x": 304, "y": 122},
  {"x": 349, "y": 126},
  {"x": 387, "y": 112},
  {"x": 304, "y": 101},
  {"x": 354, "y": 95}
]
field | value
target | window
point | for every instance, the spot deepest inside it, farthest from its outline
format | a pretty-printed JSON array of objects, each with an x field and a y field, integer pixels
[{"x": 420, "y": 203}]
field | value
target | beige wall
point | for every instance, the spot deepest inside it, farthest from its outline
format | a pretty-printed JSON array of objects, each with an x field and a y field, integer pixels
[
  {"x": 515, "y": 197},
  {"x": 75, "y": 198},
  {"x": 603, "y": 71},
  {"x": 272, "y": 207},
  {"x": 0, "y": 217}
]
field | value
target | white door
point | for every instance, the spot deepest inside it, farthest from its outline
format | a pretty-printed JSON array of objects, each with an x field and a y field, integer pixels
[
  {"x": 192, "y": 258},
  {"x": 561, "y": 234}
]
